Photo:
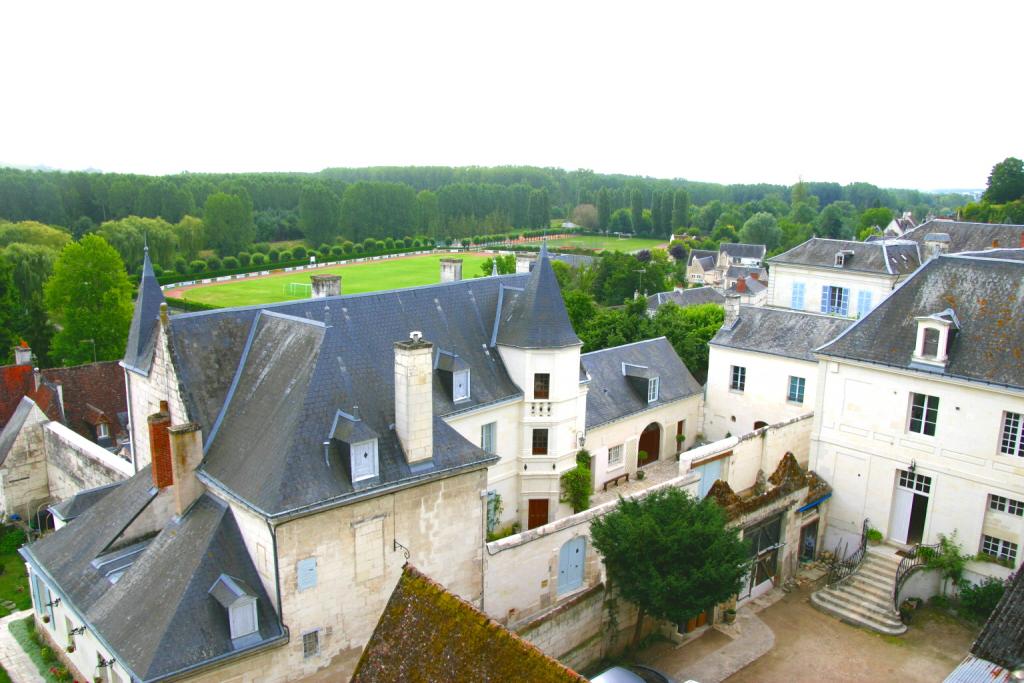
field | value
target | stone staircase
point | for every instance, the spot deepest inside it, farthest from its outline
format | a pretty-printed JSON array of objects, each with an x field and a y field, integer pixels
[{"x": 865, "y": 597}]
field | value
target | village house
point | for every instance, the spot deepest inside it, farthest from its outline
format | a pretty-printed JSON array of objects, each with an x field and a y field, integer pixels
[
  {"x": 383, "y": 426},
  {"x": 683, "y": 297},
  {"x": 840, "y": 277},
  {"x": 965, "y": 236},
  {"x": 731, "y": 262},
  {"x": 919, "y": 414},
  {"x": 761, "y": 367}
]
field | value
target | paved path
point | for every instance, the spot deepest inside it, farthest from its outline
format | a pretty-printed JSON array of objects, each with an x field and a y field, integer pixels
[{"x": 19, "y": 667}]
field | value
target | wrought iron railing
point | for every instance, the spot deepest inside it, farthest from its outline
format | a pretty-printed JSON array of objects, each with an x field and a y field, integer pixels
[
  {"x": 843, "y": 566},
  {"x": 913, "y": 559}
]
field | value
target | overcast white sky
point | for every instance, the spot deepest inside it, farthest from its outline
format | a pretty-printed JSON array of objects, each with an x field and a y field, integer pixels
[{"x": 900, "y": 94}]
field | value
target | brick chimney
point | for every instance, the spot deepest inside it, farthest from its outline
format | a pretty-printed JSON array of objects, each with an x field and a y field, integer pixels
[
  {"x": 325, "y": 285},
  {"x": 186, "y": 453},
  {"x": 451, "y": 269},
  {"x": 23, "y": 354},
  {"x": 741, "y": 285},
  {"x": 1022, "y": 240},
  {"x": 995, "y": 244},
  {"x": 732, "y": 310},
  {"x": 160, "y": 447},
  {"x": 414, "y": 389}
]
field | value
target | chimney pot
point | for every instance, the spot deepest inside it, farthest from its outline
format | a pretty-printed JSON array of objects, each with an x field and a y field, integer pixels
[
  {"x": 325, "y": 285},
  {"x": 732, "y": 310},
  {"x": 186, "y": 442},
  {"x": 451, "y": 269},
  {"x": 414, "y": 390},
  {"x": 741, "y": 285},
  {"x": 23, "y": 354}
]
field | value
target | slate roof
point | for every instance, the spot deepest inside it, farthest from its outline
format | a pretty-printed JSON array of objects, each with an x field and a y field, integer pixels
[
  {"x": 745, "y": 271},
  {"x": 887, "y": 257},
  {"x": 700, "y": 255},
  {"x": 741, "y": 250},
  {"x": 155, "y": 635},
  {"x": 429, "y": 634},
  {"x": 687, "y": 297},
  {"x": 780, "y": 332},
  {"x": 987, "y": 297},
  {"x": 965, "y": 236},
  {"x": 138, "y": 355},
  {"x": 751, "y": 286},
  {"x": 1007, "y": 254},
  {"x": 536, "y": 318},
  {"x": 10, "y": 431},
  {"x": 612, "y": 396},
  {"x": 70, "y": 508},
  {"x": 294, "y": 365},
  {"x": 1001, "y": 640}
]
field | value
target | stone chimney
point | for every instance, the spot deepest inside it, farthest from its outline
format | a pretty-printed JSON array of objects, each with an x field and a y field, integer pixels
[
  {"x": 680, "y": 286},
  {"x": 23, "y": 354},
  {"x": 935, "y": 244},
  {"x": 326, "y": 285},
  {"x": 451, "y": 269},
  {"x": 523, "y": 264},
  {"x": 186, "y": 442},
  {"x": 414, "y": 389},
  {"x": 160, "y": 447},
  {"x": 732, "y": 310}
]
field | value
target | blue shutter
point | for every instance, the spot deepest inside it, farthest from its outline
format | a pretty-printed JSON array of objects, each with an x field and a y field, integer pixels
[
  {"x": 863, "y": 303},
  {"x": 306, "y": 571},
  {"x": 797, "y": 298},
  {"x": 570, "y": 564},
  {"x": 824, "y": 299},
  {"x": 845, "y": 305},
  {"x": 709, "y": 474}
]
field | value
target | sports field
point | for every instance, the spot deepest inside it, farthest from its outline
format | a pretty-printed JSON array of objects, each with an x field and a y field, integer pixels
[
  {"x": 370, "y": 276},
  {"x": 610, "y": 243}
]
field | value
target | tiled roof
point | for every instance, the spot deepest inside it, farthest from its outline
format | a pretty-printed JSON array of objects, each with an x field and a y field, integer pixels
[
  {"x": 15, "y": 382},
  {"x": 138, "y": 355},
  {"x": 429, "y": 634},
  {"x": 1001, "y": 640},
  {"x": 536, "y": 318},
  {"x": 687, "y": 297},
  {"x": 613, "y": 395},
  {"x": 91, "y": 392},
  {"x": 886, "y": 257},
  {"x": 158, "y": 616},
  {"x": 987, "y": 297},
  {"x": 965, "y": 236},
  {"x": 780, "y": 331}
]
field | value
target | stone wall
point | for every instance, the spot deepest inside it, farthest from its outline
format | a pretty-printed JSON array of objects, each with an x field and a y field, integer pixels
[
  {"x": 23, "y": 481},
  {"x": 73, "y": 463}
]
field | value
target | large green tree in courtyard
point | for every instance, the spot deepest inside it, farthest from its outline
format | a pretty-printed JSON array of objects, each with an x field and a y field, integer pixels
[
  {"x": 670, "y": 555},
  {"x": 90, "y": 299}
]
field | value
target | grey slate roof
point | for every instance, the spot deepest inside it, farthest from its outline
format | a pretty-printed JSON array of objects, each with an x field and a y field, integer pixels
[
  {"x": 70, "y": 508},
  {"x": 745, "y": 271},
  {"x": 298, "y": 363},
  {"x": 987, "y": 297},
  {"x": 780, "y": 332},
  {"x": 965, "y": 236},
  {"x": 701, "y": 254},
  {"x": 1001, "y": 640},
  {"x": 752, "y": 286},
  {"x": 888, "y": 257},
  {"x": 687, "y": 297},
  {"x": 612, "y": 396},
  {"x": 536, "y": 318},
  {"x": 159, "y": 612},
  {"x": 1008, "y": 254},
  {"x": 740, "y": 250},
  {"x": 10, "y": 431},
  {"x": 138, "y": 356}
]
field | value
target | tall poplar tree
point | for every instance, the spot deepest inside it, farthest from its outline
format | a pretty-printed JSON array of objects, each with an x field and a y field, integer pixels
[
  {"x": 681, "y": 209},
  {"x": 604, "y": 208},
  {"x": 636, "y": 209},
  {"x": 318, "y": 214}
]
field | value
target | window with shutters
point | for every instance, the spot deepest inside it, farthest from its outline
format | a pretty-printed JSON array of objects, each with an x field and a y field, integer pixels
[
  {"x": 796, "y": 300},
  {"x": 364, "y": 460},
  {"x": 242, "y": 618},
  {"x": 863, "y": 303},
  {"x": 835, "y": 300},
  {"x": 488, "y": 437},
  {"x": 460, "y": 385},
  {"x": 306, "y": 573}
]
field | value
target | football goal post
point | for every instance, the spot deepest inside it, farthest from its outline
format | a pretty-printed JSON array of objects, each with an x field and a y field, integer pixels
[{"x": 299, "y": 290}]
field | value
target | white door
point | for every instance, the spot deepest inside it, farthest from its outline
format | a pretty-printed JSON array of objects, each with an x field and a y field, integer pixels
[{"x": 902, "y": 504}]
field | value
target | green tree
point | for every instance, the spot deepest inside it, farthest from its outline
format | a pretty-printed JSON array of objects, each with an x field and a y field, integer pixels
[
  {"x": 318, "y": 213},
  {"x": 540, "y": 209},
  {"x": 681, "y": 209},
  {"x": 506, "y": 265},
  {"x": 761, "y": 228},
  {"x": 670, "y": 555},
  {"x": 657, "y": 220},
  {"x": 229, "y": 226},
  {"x": 32, "y": 265},
  {"x": 90, "y": 298},
  {"x": 837, "y": 221},
  {"x": 10, "y": 317},
  {"x": 665, "y": 229},
  {"x": 636, "y": 210},
  {"x": 876, "y": 218},
  {"x": 689, "y": 330},
  {"x": 1006, "y": 182},
  {"x": 604, "y": 208},
  {"x": 581, "y": 308}
]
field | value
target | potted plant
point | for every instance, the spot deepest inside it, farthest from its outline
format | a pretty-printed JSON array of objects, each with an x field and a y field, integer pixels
[
  {"x": 729, "y": 615},
  {"x": 46, "y": 618},
  {"x": 874, "y": 536},
  {"x": 70, "y": 648}
]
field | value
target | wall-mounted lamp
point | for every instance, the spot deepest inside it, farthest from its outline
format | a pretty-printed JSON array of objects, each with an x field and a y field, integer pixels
[{"x": 913, "y": 466}]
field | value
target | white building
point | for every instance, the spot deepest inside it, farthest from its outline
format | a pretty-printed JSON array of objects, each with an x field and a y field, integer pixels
[
  {"x": 731, "y": 262},
  {"x": 919, "y": 415},
  {"x": 840, "y": 277},
  {"x": 761, "y": 367}
]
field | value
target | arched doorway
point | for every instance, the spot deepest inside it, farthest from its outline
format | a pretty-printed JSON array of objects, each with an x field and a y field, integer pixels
[
  {"x": 650, "y": 443},
  {"x": 759, "y": 424}
]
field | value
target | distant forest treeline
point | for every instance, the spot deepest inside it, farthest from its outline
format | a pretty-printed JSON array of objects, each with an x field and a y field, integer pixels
[{"x": 384, "y": 202}]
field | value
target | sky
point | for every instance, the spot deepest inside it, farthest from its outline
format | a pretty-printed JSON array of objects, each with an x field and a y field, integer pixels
[{"x": 901, "y": 93}]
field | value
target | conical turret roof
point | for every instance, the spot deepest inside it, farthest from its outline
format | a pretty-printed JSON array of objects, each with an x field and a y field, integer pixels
[
  {"x": 138, "y": 356},
  {"x": 536, "y": 318}
]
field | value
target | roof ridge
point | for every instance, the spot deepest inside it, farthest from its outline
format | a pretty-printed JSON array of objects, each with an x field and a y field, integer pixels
[{"x": 622, "y": 346}]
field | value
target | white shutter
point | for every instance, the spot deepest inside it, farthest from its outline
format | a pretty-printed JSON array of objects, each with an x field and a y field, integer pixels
[{"x": 306, "y": 572}]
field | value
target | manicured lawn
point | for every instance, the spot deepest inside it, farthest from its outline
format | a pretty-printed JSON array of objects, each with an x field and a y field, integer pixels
[
  {"x": 610, "y": 243},
  {"x": 13, "y": 577},
  {"x": 372, "y": 276}
]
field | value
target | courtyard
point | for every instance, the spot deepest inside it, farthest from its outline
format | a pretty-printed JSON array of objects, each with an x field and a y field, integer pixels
[{"x": 812, "y": 646}]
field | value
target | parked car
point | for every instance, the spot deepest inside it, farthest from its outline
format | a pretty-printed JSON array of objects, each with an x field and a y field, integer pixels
[{"x": 634, "y": 674}]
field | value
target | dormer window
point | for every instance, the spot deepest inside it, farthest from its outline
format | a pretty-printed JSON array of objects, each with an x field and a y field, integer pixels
[
  {"x": 102, "y": 431},
  {"x": 239, "y": 600},
  {"x": 460, "y": 385},
  {"x": 842, "y": 257},
  {"x": 934, "y": 334},
  {"x": 364, "y": 460},
  {"x": 653, "y": 385}
]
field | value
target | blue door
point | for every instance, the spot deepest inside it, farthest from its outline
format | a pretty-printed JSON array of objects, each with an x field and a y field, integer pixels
[
  {"x": 570, "y": 564},
  {"x": 709, "y": 474}
]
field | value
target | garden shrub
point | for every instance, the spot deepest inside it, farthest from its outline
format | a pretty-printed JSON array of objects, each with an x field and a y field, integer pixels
[
  {"x": 258, "y": 259},
  {"x": 230, "y": 263},
  {"x": 244, "y": 258},
  {"x": 197, "y": 266},
  {"x": 214, "y": 263}
]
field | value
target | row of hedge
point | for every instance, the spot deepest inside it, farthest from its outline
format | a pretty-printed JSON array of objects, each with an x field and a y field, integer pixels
[{"x": 188, "y": 305}]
